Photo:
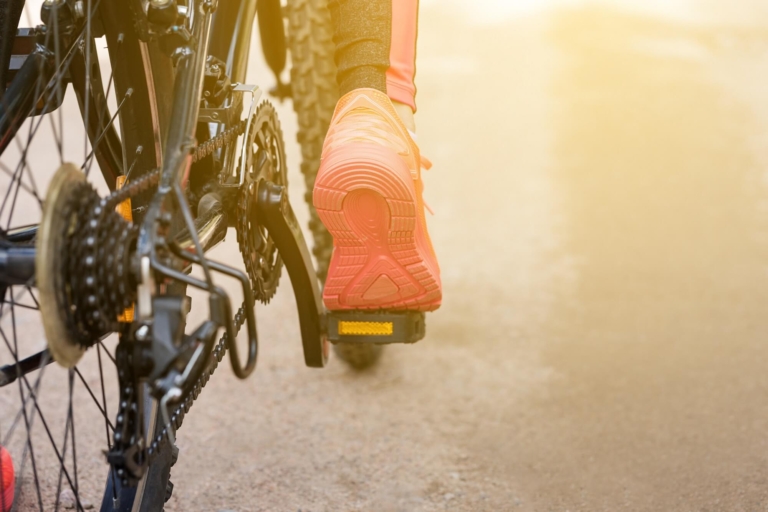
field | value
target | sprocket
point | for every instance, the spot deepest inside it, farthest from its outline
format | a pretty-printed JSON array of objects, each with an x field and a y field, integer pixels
[
  {"x": 265, "y": 161},
  {"x": 82, "y": 265}
]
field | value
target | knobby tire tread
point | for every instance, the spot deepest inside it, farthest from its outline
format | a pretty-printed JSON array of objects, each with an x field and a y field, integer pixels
[{"x": 315, "y": 93}]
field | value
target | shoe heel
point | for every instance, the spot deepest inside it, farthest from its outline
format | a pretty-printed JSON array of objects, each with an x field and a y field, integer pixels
[{"x": 365, "y": 197}]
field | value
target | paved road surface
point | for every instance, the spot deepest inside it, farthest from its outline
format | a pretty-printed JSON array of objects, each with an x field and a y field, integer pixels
[
  {"x": 601, "y": 198},
  {"x": 602, "y": 208}
]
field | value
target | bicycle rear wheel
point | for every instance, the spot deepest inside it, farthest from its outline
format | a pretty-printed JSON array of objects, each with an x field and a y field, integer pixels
[{"x": 57, "y": 422}]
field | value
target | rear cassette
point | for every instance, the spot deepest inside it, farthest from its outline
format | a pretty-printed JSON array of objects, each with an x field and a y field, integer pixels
[{"x": 82, "y": 265}]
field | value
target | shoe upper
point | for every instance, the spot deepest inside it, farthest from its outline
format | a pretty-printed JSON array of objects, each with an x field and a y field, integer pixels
[{"x": 367, "y": 115}]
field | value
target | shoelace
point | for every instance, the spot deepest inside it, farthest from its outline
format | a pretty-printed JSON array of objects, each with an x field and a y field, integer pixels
[
  {"x": 374, "y": 128},
  {"x": 426, "y": 164}
]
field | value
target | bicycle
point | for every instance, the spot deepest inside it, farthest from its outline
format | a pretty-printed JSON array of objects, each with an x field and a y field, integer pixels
[{"x": 95, "y": 256}]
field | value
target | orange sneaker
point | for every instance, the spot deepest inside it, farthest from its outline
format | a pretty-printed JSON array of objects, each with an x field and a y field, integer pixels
[{"x": 368, "y": 193}]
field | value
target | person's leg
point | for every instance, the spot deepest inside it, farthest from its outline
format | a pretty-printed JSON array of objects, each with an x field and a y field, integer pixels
[
  {"x": 376, "y": 48},
  {"x": 401, "y": 73},
  {"x": 368, "y": 191},
  {"x": 361, "y": 31}
]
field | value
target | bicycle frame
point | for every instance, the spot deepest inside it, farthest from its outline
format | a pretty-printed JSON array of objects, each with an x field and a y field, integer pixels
[
  {"x": 232, "y": 24},
  {"x": 222, "y": 31}
]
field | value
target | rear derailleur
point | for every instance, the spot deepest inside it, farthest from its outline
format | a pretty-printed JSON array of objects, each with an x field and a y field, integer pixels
[{"x": 93, "y": 280}]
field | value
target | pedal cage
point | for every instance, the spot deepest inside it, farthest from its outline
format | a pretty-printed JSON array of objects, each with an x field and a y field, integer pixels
[{"x": 380, "y": 328}]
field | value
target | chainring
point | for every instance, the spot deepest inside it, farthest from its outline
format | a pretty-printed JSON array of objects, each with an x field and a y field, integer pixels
[{"x": 265, "y": 161}]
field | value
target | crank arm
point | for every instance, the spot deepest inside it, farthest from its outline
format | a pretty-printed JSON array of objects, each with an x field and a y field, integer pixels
[{"x": 277, "y": 216}]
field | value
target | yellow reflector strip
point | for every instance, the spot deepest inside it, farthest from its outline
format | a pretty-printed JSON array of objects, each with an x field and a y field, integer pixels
[
  {"x": 127, "y": 315},
  {"x": 124, "y": 209},
  {"x": 365, "y": 328}
]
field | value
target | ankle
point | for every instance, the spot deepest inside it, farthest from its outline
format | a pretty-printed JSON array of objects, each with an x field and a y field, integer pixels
[{"x": 406, "y": 115}]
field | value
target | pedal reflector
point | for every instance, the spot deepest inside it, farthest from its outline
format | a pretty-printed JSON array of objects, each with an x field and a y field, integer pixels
[
  {"x": 365, "y": 328},
  {"x": 375, "y": 327}
]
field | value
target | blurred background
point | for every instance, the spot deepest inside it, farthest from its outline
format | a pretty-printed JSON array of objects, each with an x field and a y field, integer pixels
[{"x": 601, "y": 197}]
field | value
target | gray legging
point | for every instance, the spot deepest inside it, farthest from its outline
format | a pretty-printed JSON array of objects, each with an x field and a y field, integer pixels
[{"x": 376, "y": 46}]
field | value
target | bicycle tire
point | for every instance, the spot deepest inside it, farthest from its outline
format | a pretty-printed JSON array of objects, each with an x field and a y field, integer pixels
[{"x": 315, "y": 93}]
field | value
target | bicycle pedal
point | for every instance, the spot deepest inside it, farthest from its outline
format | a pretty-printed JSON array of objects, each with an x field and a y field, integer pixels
[{"x": 379, "y": 328}]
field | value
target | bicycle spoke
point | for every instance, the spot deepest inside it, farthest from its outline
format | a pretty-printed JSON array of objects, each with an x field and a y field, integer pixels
[
  {"x": 19, "y": 304},
  {"x": 95, "y": 400},
  {"x": 23, "y": 306},
  {"x": 57, "y": 87},
  {"x": 29, "y": 450},
  {"x": 4, "y": 310},
  {"x": 139, "y": 150},
  {"x": 74, "y": 440},
  {"x": 24, "y": 186},
  {"x": 64, "y": 445},
  {"x": 43, "y": 365},
  {"x": 29, "y": 417},
  {"x": 19, "y": 171},
  {"x": 87, "y": 70},
  {"x": 107, "y": 424},
  {"x": 62, "y": 67},
  {"x": 95, "y": 144},
  {"x": 23, "y": 163},
  {"x": 12, "y": 189},
  {"x": 23, "y": 379},
  {"x": 114, "y": 361},
  {"x": 27, "y": 420},
  {"x": 32, "y": 295}
]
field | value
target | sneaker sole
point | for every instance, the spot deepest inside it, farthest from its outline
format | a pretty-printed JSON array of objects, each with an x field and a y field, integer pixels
[{"x": 365, "y": 197}]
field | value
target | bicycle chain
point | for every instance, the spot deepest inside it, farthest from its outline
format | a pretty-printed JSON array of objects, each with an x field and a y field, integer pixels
[
  {"x": 128, "y": 393},
  {"x": 177, "y": 417},
  {"x": 218, "y": 142},
  {"x": 151, "y": 178}
]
